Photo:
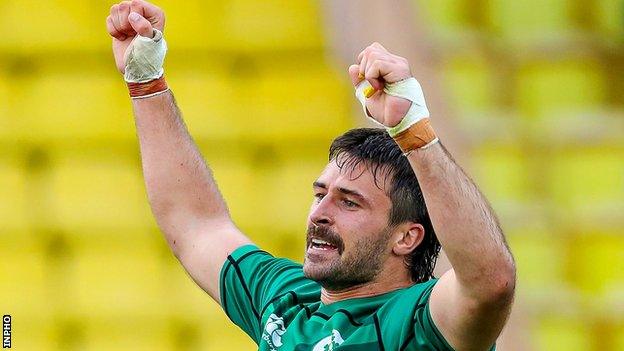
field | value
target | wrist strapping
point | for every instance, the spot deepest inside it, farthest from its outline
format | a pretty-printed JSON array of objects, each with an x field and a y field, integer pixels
[
  {"x": 144, "y": 59},
  {"x": 414, "y": 131}
]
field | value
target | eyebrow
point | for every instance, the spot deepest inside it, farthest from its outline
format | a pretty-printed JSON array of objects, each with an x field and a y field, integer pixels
[{"x": 351, "y": 192}]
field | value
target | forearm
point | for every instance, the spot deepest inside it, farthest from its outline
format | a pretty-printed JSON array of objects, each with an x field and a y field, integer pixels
[
  {"x": 464, "y": 223},
  {"x": 181, "y": 190}
]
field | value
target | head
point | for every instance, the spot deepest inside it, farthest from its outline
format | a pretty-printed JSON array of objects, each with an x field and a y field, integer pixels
[{"x": 368, "y": 215}]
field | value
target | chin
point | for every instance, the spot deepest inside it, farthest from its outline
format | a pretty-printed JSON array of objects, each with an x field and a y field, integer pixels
[{"x": 315, "y": 271}]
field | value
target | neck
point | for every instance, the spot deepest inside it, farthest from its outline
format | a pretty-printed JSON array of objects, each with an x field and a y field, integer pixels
[{"x": 388, "y": 280}]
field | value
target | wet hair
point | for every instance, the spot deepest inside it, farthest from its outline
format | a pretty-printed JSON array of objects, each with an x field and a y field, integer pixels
[{"x": 382, "y": 156}]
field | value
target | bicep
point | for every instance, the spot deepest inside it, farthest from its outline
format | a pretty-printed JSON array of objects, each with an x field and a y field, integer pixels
[
  {"x": 465, "y": 322},
  {"x": 205, "y": 250}
]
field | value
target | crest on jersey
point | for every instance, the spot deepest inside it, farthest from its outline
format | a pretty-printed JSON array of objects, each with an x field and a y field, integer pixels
[
  {"x": 328, "y": 343},
  {"x": 273, "y": 331}
]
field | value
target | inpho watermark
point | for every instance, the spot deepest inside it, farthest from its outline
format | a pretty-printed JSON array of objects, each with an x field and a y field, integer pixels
[{"x": 6, "y": 331}]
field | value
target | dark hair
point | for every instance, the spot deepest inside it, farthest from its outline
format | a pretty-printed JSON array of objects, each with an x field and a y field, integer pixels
[{"x": 381, "y": 154}]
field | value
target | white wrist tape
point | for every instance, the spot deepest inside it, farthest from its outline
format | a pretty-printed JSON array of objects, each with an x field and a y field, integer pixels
[
  {"x": 144, "y": 58},
  {"x": 360, "y": 95},
  {"x": 408, "y": 89}
]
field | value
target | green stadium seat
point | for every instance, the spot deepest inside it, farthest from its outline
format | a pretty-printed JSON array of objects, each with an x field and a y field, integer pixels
[
  {"x": 585, "y": 184},
  {"x": 59, "y": 25},
  {"x": 101, "y": 189},
  {"x": 73, "y": 103},
  {"x": 562, "y": 333},
  {"x": 596, "y": 261},
  {"x": 545, "y": 88},
  {"x": 529, "y": 21},
  {"x": 14, "y": 206}
]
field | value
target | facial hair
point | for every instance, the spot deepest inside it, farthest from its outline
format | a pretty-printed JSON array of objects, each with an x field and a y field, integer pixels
[{"x": 358, "y": 265}]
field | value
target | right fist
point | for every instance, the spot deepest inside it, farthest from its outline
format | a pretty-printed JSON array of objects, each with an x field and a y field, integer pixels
[{"x": 126, "y": 20}]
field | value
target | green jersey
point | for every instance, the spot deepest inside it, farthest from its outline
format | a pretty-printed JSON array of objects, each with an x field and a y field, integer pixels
[{"x": 270, "y": 299}]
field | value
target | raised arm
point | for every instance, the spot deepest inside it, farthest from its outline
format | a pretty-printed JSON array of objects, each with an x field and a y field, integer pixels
[
  {"x": 471, "y": 302},
  {"x": 183, "y": 195}
]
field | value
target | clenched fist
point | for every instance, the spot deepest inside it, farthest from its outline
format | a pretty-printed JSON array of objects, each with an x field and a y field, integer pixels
[
  {"x": 379, "y": 67},
  {"x": 126, "y": 20}
]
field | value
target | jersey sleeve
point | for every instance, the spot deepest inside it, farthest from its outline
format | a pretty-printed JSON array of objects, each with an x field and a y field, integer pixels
[
  {"x": 250, "y": 278},
  {"x": 425, "y": 330}
]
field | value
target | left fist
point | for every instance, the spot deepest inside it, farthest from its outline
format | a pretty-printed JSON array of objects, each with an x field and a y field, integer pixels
[{"x": 378, "y": 67}]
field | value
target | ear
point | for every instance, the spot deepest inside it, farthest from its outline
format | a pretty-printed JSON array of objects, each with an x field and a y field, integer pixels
[{"x": 407, "y": 237}]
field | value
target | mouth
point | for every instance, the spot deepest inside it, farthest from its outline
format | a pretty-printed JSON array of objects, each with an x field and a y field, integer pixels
[{"x": 318, "y": 244}]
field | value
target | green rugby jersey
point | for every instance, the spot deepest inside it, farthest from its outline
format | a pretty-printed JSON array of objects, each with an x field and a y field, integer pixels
[{"x": 270, "y": 299}]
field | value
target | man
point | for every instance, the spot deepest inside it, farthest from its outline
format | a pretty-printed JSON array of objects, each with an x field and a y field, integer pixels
[{"x": 366, "y": 282}]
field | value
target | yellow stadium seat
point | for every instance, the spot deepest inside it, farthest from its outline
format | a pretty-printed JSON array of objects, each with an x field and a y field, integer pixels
[
  {"x": 444, "y": 17},
  {"x": 286, "y": 187},
  {"x": 102, "y": 189},
  {"x": 184, "y": 298},
  {"x": 206, "y": 97},
  {"x": 545, "y": 88},
  {"x": 75, "y": 101},
  {"x": 266, "y": 104},
  {"x": 470, "y": 81},
  {"x": 257, "y": 25},
  {"x": 529, "y": 20},
  {"x": 596, "y": 261},
  {"x": 222, "y": 334},
  {"x": 60, "y": 25},
  {"x": 32, "y": 332},
  {"x": 112, "y": 277},
  {"x": 619, "y": 337},
  {"x": 112, "y": 332},
  {"x": 540, "y": 260},
  {"x": 562, "y": 333},
  {"x": 188, "y": 28},
  {"x": 14, "y": 195},
  {"x": 609, "y": 18},
  {"x": 297, "y": 101},
  {"x": 6, "y": 121},
  {"x": 586, "y": 184},
  {"x": 25, "y": 280},
  {"x": 502, "y": 174}
]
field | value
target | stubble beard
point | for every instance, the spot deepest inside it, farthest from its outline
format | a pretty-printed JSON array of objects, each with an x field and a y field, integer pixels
[{"x": 359, "y": 265}]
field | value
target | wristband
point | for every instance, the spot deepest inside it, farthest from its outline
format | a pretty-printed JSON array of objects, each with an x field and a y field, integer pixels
[{"x": 147, "y": 89}]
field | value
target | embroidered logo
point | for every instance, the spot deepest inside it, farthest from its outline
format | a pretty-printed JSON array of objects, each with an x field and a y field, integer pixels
[
  {"x": 273, "y": 331},
  {"x": 328, "y": 343}
]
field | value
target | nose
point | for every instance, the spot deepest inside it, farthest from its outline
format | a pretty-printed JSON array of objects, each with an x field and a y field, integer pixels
[{"x": 321, "y": 213}]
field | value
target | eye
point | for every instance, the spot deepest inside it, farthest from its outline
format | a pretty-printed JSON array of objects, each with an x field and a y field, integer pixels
[
  {"x": 350, "y": 203},
  {"x": 319, "y": 196}
]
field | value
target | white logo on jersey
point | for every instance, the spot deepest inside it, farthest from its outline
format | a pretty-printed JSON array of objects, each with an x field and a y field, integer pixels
[
  {"x": 273, "y": 331},
  {"x": 328, "y": 343}
]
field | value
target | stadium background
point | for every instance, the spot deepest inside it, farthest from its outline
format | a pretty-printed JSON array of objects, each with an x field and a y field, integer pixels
[{"x": 534, "y": 91}]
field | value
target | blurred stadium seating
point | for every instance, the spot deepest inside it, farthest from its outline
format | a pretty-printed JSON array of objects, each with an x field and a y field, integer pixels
[{"x": 88, "y": 269}]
